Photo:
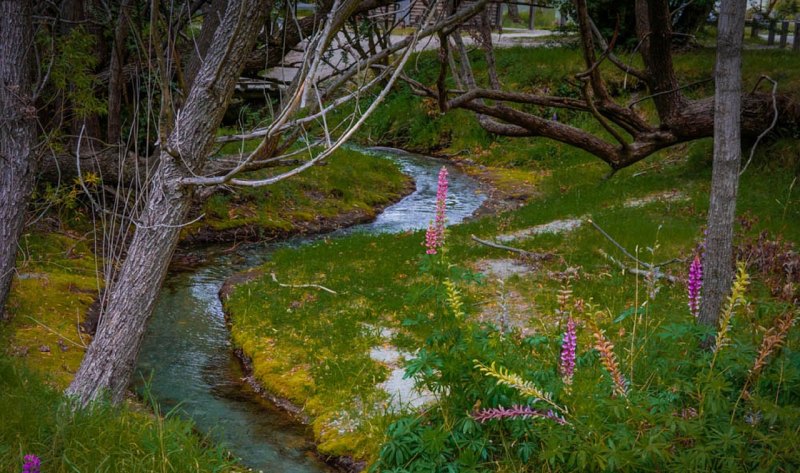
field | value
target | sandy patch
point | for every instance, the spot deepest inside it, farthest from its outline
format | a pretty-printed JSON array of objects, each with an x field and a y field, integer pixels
[
  {"x": 555, "y": 227},
  {"x": 673, "y": 195}
]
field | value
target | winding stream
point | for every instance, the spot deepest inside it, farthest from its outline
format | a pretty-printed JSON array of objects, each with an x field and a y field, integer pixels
[{"x": 187, "y": 354}]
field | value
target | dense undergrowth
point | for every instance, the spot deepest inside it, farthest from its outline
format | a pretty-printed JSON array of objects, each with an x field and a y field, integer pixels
[
  {"x": 314, "y": 347},
  {"x": 54, "y": 288}
]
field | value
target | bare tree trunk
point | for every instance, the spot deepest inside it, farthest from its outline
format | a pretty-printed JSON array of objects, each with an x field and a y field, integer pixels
[
  {"x": 513, "y": 12},
  {"x": 109, "y": 362},
  {"x": 17, "y": 132},
  {"x": 115, "y": 76},
  {"x": 727, "y": 157}
]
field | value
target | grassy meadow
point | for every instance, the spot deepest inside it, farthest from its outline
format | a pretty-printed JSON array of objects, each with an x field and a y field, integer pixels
[{"x": 314, "y": 348}]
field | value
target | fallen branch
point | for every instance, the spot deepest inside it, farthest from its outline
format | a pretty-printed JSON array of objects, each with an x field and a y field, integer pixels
[
  {"x": 652, "y": 271},
  {"x": 296, "y": 286},
  {"x": 526, "y": 254}
]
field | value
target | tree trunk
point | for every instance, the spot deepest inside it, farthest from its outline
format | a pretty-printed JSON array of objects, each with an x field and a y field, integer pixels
[
  {"x": 17, "y": 133},
  {"x": 727, "y": 157},
  {"x": 115, "y": 76},
  {"x": 513, "y": 12},
  {"x": 109, "y": 362}
]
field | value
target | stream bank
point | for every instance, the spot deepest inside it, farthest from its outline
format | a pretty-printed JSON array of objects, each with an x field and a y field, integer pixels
[{"x": 190, "y": 355}]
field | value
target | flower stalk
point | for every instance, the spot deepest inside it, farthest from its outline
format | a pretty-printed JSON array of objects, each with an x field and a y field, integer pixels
[{"x": 434, "y": 236}]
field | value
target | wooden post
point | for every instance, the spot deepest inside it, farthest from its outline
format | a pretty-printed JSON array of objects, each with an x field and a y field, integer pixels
[
  {"x": 796, "y": 46},
  {"x": 771, "y": 37},
  {"x": 784, "y": 32},
  {"x": 499, "y": 17},
  {"x": 532, "y": 15}
]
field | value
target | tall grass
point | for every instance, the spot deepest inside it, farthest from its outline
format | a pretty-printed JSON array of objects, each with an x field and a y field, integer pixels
[{"x": 37, "y": 419}]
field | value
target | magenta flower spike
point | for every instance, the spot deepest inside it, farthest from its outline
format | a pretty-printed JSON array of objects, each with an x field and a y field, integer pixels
[
  {"x": 568, "y": 346},
  {"x": 695, "y": 285},
  {"x": 434, "y": 236},
  {"x": 32, "y": 464}
]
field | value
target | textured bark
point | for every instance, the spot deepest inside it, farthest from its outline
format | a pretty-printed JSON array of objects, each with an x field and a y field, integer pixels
[
  {"x": 17, "y": 132},
  {"x": 109, "y": 362},
  {"x": 727, "y": 157},
  {"x": 212, "y": 15}
]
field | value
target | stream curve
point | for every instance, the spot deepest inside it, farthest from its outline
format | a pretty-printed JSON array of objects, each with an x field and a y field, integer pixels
[{"x": 187, "y": 356}]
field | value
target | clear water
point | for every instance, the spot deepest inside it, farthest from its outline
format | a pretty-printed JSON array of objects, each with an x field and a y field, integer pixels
[{"x": 187, "y": 357}]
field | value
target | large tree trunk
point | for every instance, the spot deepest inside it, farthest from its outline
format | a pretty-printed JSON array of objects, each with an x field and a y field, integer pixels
[
  {"x": 727, "y": 157},
  {"x": 109, "y": 362},
  {"x": 17, "y": 132}
]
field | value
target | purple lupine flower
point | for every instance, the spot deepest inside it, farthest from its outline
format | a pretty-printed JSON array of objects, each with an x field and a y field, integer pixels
[
  {"x": 434, "y": 237},
  {"x": 695, "y": 285},
  {"x": 516, "y": 411},
  {"x": 568, "y": 346},
  {"x": 32, "y": 464}
]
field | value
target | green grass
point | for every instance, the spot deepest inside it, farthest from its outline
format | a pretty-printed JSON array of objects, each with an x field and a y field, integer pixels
[
  {"x": 313, "y": 347},
  {"x": 350, "y": 183},
  {"x": 38, "y": 420}
]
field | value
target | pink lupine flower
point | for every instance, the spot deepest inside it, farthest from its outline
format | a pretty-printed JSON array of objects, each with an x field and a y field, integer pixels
[
  {"x": 434, "y": 237},
  {"x": 32, "y": 464},
  {"x": 695, "y": 285},
  {"x": 568, "y": 346},
  {"x": 513, "y": 412}
]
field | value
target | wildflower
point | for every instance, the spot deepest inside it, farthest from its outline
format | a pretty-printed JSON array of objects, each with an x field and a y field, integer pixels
[
  {"x": 515, "y": 411},
  {"x": 568, "y": 346},
  {"x": 609, "y": 360},
  {"x": 512, "y": 380},
  {"x": 773, "y": 340},
  {"x": 735, "y": 300},
  {"x": 454, "y": 299},
  {"x": 695, "y": 285},
  {"x": 434, "y": 237},
  {"x": 32, "y": 464}
]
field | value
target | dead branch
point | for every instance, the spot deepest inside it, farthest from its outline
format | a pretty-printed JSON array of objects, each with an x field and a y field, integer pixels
[
  {"x": 652, "y": 271},
  {"x": 300, "y": 286},
  {"x": 624, "y": 251},
  {"x": 526, "y": 254}
]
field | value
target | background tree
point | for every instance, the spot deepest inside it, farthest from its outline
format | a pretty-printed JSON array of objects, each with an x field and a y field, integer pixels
[
  {"x": 727, "y": 158},
  {"x": 17, "y": 132},
  {"x": 629, "y": 135}
]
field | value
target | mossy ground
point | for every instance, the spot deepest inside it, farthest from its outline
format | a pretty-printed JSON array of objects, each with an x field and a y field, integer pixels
[
  {"x": 313, "y": 347},
  {"x": 350, "y": 183},
  {"x": 56, "y": 284}
]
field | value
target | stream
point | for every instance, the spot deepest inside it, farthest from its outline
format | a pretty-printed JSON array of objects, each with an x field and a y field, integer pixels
[{"x": 187, "y": 359}]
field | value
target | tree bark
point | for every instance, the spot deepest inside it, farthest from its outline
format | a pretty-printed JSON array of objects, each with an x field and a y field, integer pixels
[
  {"x": 727, "y": 158},
  {"x": 109, "y": 362},
  {"x": 17, "y": 132},
  {"x": 115, "y": 75}
]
